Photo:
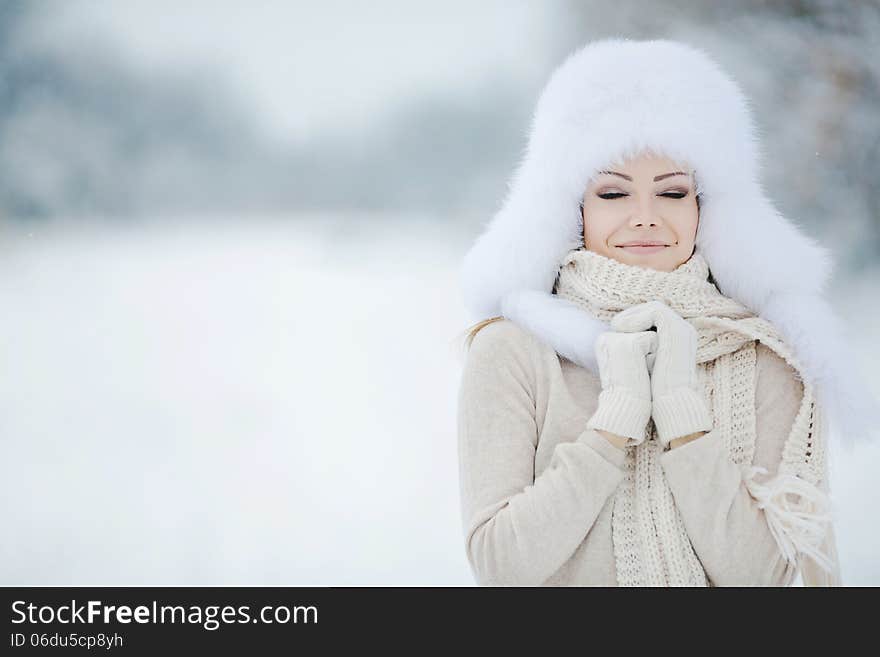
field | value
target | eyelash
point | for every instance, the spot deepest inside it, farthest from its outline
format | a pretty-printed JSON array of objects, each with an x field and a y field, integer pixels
[{"x": 613, "y": 195}]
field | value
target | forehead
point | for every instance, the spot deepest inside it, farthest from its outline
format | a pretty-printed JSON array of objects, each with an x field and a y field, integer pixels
[{"x": 658, "y": 174}]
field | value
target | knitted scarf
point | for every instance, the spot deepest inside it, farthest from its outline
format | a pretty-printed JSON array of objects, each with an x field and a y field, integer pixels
[{"x": 651, "y": 547}]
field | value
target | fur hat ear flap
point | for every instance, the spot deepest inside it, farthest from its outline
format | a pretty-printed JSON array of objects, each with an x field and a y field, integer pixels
[
  {"x": 754, "y": 251},
  {"x": 558, "y": 322},
  {"x": 523, "y": 244},
  {"x": 818, "y": 338}
]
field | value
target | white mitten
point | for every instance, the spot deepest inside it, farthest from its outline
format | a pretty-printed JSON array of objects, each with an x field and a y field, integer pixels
[
  {"x": 625, "y": 401},
  {"x": 679, "y": 407}
]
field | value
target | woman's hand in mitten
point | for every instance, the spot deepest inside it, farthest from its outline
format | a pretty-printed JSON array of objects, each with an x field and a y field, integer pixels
[
  {"x": 625, "y": 401},
  {"x": 679, "y": 407}
]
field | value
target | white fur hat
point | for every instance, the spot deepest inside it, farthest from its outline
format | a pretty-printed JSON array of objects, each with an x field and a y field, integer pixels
[{"x": 610, "y": 100}]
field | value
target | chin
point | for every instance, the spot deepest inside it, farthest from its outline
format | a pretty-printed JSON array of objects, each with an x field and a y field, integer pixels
[{"x": 661, "y": 260}]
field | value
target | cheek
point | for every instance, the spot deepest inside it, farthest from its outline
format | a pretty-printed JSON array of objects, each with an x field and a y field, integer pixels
[
  {"x": 684, "y": 221},
  {"x": 600, "y": 223}
]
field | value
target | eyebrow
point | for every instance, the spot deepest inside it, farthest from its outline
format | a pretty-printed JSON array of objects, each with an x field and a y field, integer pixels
[{"x": 656, "y": 178}]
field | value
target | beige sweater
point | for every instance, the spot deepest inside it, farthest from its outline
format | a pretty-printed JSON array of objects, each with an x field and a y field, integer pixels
[{"x": 536, "y": 485}]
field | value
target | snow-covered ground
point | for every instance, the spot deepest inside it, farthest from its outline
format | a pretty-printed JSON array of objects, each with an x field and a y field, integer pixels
[{"x": 260, "y": 401}]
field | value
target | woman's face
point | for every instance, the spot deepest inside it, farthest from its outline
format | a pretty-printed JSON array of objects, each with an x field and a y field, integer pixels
[{"x": 647, "y": 198}]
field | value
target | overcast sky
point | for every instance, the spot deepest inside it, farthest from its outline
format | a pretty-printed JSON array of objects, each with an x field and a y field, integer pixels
[{"x": 313, "y": 66}]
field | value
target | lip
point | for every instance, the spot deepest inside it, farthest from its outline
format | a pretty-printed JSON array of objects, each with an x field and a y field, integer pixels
[{"x": 642, "y": 247}]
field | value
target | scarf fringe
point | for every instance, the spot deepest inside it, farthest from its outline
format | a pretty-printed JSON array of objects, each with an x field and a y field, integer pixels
[{"x": 798, "y": 527}]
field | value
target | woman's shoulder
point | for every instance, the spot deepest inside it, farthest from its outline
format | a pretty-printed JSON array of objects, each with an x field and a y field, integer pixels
[
  {"x": 503, "y": 339},
  {"x": 779, "y": 389},
  {"x": 504, "y": 345},
  {"x": 773, "y": 369}
]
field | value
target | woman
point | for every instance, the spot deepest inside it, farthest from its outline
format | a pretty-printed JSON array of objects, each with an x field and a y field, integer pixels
[{"x": 625, "y": 417}]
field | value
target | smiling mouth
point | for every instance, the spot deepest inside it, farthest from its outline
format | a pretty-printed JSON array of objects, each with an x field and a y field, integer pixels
[{"x": 643, "y": 249}]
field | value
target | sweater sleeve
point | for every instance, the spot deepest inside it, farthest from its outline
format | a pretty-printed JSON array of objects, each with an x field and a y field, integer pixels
[
  {"x": 728, "y": 531},
  {"x": 520, "y": 529}
]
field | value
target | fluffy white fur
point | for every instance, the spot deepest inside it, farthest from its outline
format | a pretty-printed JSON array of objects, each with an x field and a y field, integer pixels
[
  {"x": 608, "y": 101},
  {"x": 558, "y": 322}
]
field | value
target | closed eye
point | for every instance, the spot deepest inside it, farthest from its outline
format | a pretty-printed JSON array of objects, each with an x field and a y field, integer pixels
[{"x": 614, "y": 195}]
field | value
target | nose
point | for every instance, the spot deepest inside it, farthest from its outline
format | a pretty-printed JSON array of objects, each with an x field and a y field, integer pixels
[
  {"x": 645, "y": 215},
  {"x": 637, "y": 220}
]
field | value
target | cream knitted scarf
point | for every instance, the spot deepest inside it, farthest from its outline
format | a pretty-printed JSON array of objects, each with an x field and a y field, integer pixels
[{"x": 651, "y": 547}]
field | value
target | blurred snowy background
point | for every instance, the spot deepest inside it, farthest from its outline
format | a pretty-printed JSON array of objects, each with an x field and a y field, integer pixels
[{"x": 229, "y": 234}]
